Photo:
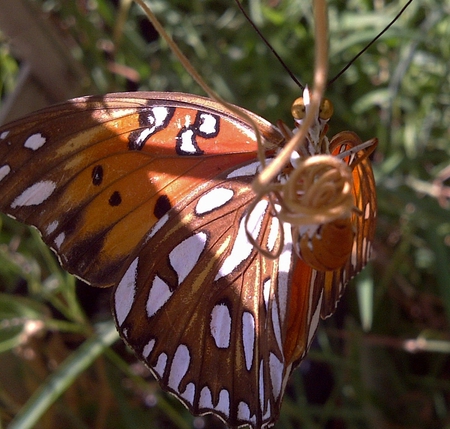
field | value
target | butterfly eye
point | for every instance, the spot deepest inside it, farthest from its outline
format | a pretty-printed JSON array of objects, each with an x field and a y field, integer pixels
[
  {"x": 298, "y": 109},
  {"x": 326, "y": 109}
]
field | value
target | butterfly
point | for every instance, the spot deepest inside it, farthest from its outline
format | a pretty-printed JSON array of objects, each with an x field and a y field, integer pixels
[
  {"x": 150, "y": 193},
  {"x": 218, "y": 286}
]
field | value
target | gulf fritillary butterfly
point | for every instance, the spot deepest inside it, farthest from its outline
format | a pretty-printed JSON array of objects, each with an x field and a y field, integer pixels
[{"x": 152, "y": 193}]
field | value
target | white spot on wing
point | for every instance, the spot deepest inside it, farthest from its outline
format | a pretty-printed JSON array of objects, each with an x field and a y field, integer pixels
[
  {"x": 3, "y": 135},
  {"x": 160, "y": 114},
  {"x": 4, "y": 171},
  {"x": 213, "y": 199},
  {"x": 367, "y": 211},
  {"x": 35, "y": 141},
  {"x": 261, "y": 384},
  {"x": 276, "y": 324},
  {"x": 205, "y": 400},
  {"x": 187, "y": 142},
  {"x": 143, "y": 136},
  {"x": 245, "y": 171},
  {"x": 148, "y": 348},
  {"x": 59, "y": 240},
  {"x": 220, "y": 326},
  {"x": 160, "y": 366},
  {"x": 209, "y": 124},
  {"x": 159, "y": 294},
  {"x": 266, "y": 293},
  {"x": 180, "y": 365},
  {"x": 34, "y": 195},
  {"x": 242, "y": 248},
  {"x": 284, "y": 268},
  {"x": 314, "y": 321},
  {"x": 158, "y": 225},
  {"x": 124, "y": 293},
  {"x": 276, "y": 375},
  {"x": 273, "y": 234},
  {"x": 51, "y": 227},
  {"x": 248, "y": 338},
  {"x": 184, "y": 257},
  {"x": 189, "y": 393},
  {"x": 224, "y": 402},
  {"x": 244, "y": 413}
]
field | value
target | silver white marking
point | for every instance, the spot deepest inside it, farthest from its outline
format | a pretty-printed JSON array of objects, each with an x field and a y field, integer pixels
[
  {"x": 35, "y": 142},
  {"x": 180, "y": 365},
  {"x": 158, "y": 225},
  {"x": 213, "y": 199},
  {"x": 248, "y": 338},
  {"x": 284, "y": 268},
  {"x": 34, "y": 195},
  {"x": 273, "y": 233},
  {"x": 261, "y": 384},
  {"x": 143, "y": 136},
  {"x": 160, "y": 114},
  {"x": 209, "y": 124},
  {"x": 51, "y": 227},
  {"x": 189, "y": 393},
  {"x": 59, "y": 240},
  {"x": 276, "y": 375},
  {"x": 245, "y": 171},
  {"x": 187, "y": 145},
  {"x": 367, "y": 211},
  {"x": 224, "y": 402},
  {"x": 184, "y": 257},
  {"x": 365, "y": 255},
  {"x": 160, "y": 366},
  {"x": 159, "y": 294},
  {"x": 242, "y": 248},
  {"x": 205, "y": 400},
  {"x": 3, "y": 135},
  {"x": 148, "y": 348},
  {"x": 266, "y": 293},
  {"x": 314, "y": 322},
  {"x": 125, "y": 291},
  {"x": 220, "y": 326},
  {"x": 276, "y": 324},
  {"x": 244, "y": 413},
  {"x": 4, "y": 171}
]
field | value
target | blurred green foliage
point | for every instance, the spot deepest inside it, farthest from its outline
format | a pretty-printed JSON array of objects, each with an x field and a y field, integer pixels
[{"x": 385, "y": 353}]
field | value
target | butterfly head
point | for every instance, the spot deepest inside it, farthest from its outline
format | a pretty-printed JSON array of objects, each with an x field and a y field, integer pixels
[{"x": 316, "y": 140}]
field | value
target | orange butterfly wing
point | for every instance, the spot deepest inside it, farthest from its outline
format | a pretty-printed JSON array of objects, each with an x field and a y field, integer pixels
[
  {"x": 94, "y": 174},
  {"x": 149, "y": 192}
]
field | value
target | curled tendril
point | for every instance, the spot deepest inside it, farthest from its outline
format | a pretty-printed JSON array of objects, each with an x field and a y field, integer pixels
[{"x": 318, "y": 190}]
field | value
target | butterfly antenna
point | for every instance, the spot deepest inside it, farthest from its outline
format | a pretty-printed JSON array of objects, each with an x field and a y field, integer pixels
[
  {"x": 369, "y": 45},
  {"x": 258, "y": 31}
]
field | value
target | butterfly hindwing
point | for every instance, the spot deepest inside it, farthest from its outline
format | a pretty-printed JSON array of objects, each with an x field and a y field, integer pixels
[{"x": 225, "y": 351}]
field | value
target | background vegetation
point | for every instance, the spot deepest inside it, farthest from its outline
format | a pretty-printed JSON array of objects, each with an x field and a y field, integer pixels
[{"x": 382, "y": 360}]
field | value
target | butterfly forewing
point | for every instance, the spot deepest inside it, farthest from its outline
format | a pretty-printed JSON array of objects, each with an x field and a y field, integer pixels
[{"x": 100, "y": 171}]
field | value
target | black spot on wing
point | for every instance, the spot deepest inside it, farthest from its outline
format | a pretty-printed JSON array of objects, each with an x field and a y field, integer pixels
[
  {"x": 115, "y": 199},
  {"x": 162, "y": 206}
]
